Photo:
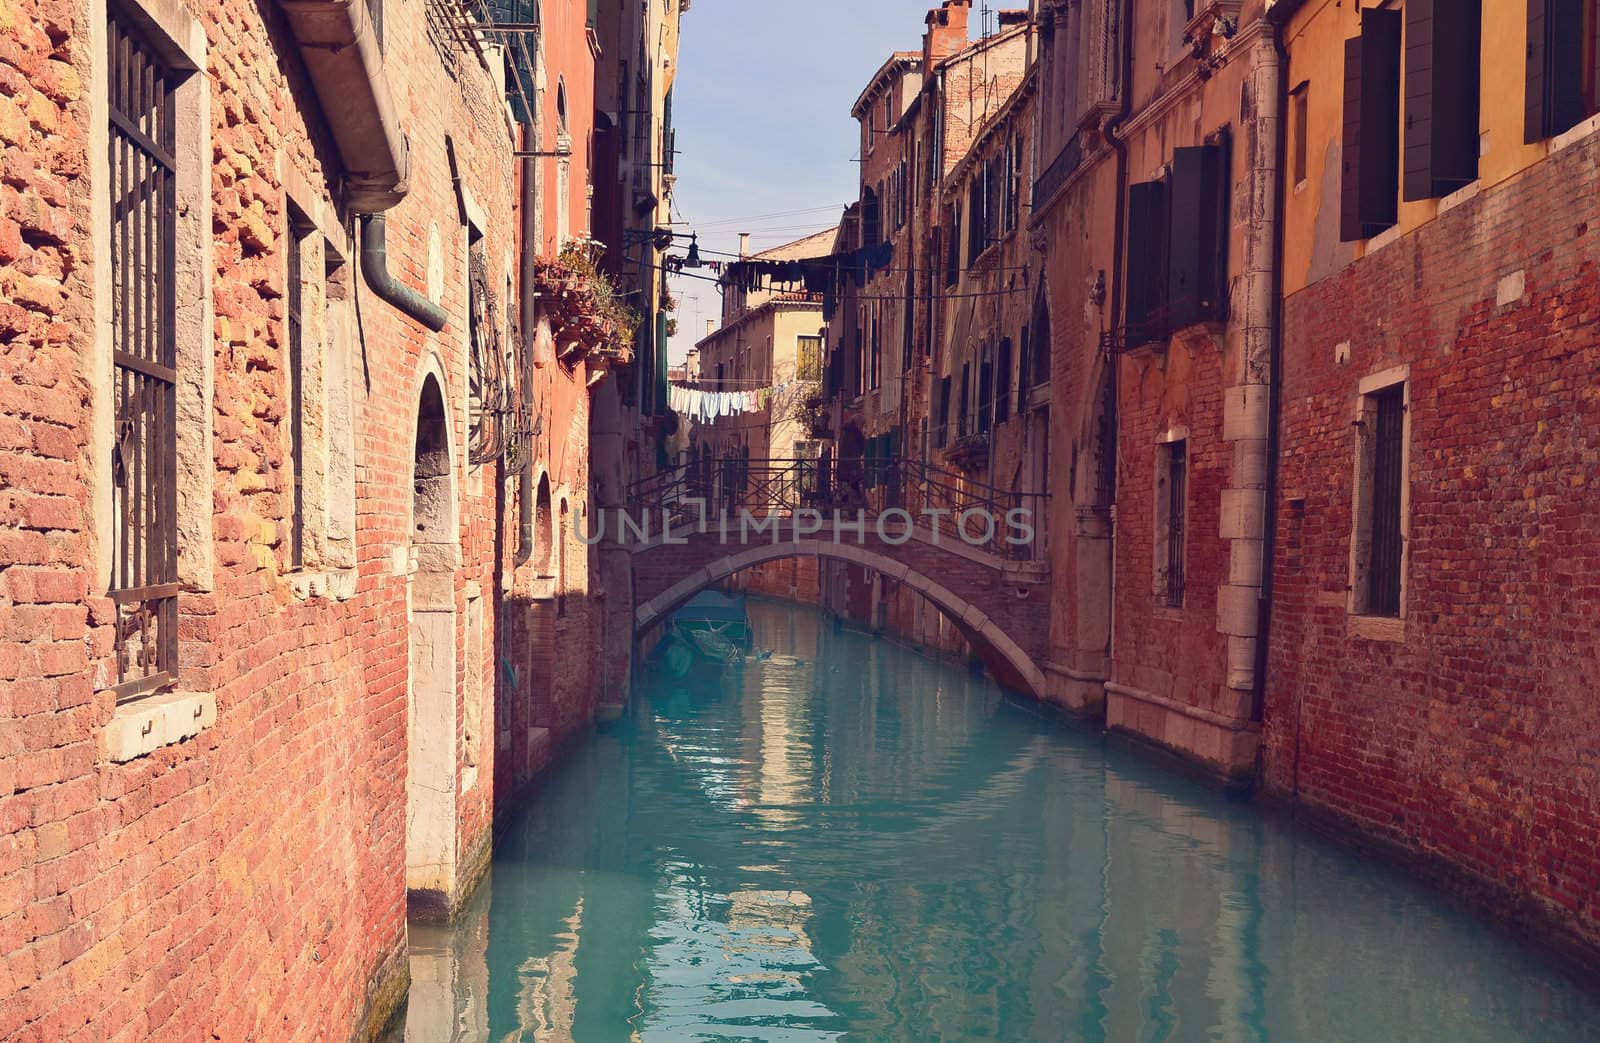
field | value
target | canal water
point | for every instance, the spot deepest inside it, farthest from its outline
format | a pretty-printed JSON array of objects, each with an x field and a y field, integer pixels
[{"x": 852, "y": 841}]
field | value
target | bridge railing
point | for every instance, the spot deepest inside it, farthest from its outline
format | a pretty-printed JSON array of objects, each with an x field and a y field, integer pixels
[{"x": 1005, "y": 522}]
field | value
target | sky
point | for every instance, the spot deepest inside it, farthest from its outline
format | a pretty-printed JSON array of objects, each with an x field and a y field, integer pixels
[{"x": 761, "y": 105}]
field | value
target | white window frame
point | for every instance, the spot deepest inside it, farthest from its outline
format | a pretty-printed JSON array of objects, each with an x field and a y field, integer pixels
[{"x": 1361, "y": 624}]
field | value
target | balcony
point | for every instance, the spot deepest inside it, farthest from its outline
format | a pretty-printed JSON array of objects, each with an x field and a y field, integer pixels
[{"x": 1067, "y": 160}]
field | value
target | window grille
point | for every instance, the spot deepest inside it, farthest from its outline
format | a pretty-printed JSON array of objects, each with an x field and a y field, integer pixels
[
  {"x": 1383, "y": 581},
  {"x": 1177, "y": 493},
  {"x": 144, "y": 575}
]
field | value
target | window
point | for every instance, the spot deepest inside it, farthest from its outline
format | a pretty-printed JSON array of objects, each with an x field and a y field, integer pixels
[
  {"x": 986, "y": 392},
  {"x": 965, "y": 400},
  {"x": 1370, "y": 178},
  {"x": 1040, "y": 343},
  {"x": 1298, "y": 100},
  {"x": 907, "y": 320},
  {"x": 144, "y": 453},
  {"x": 300, "y": 234},
  {"x": 1182, "y": 15},
  {"x": 1002, "y": 392},
  {"x": 1379, "y": 543},
  {"x": 1441, "y": 131},
  {"x": 1563, "y": 72},
  {"x": 1172, "y": 491},
  {"x": 871, "y": 217},
  {"x": 942, "y": 431},
  {"x": 952, "y": 259},
  {"x": 1177, "y": 245},
  {"x": 875, "y": 375},
  {"x": 808, "y": 352}
]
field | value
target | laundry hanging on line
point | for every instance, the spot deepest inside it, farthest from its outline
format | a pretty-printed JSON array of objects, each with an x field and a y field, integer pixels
[{"x": 706, "y": 406}]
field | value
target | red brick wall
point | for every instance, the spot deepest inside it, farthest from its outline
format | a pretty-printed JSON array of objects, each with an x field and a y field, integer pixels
[
  {"x": 1157, "y": 648},
  {"x": 1469, "y": 744},
  {"x": 247, "y": 883}
]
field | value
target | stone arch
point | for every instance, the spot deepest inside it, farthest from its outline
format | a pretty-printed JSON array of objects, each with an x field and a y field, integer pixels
[
  {"x": 1040, "y": 341},
  {"x": 1019, "y": 668},
  {"x": 543, "y": 528},
  {"x": 431, "y": 703}
]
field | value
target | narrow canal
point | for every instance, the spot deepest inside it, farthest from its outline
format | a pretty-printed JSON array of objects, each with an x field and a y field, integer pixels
[{"x": 850, "y": 841}]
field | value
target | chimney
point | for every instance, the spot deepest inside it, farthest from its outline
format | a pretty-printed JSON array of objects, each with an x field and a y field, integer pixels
[
  {"x": 947, "y": 32},
  {"x": 744, "y": 243},
  {"x": 711, "y": 326}
]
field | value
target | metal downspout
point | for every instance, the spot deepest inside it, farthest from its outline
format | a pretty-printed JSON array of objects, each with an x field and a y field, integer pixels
[
  {"x": 528, "y": 317},
  {"x": 375, "y": 266},
  {"x": 1118, "y": 264}
]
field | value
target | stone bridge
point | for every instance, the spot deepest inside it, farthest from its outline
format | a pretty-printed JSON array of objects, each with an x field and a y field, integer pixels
[{"x": 1001, "y": 605}]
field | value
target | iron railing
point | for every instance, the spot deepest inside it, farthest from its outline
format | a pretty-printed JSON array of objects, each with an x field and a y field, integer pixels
[
  {"x": 1061, "y": 168},
  {"x": 144, "y": 573},
  {"x": 972, "y": 513}
]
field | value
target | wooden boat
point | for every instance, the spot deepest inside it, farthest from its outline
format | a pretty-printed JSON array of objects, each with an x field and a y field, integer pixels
[{"x": 711, "y": 631}]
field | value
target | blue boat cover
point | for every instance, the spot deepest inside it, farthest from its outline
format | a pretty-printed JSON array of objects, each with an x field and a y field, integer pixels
[{"x": 713, "y": 606}]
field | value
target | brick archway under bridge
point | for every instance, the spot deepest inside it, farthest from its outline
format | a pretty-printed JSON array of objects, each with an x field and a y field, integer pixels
[{"x": 1000, "y": 606}]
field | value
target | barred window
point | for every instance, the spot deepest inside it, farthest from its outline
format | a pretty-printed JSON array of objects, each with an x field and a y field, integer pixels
[
  {"x": 1380, "y": 537},
  {"x": 1172, "y": 495},
  {"x": 143, "y": 168}
]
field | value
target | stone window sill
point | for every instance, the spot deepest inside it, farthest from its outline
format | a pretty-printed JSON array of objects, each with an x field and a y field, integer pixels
[
  {"x": 1377, "y": 628},
  {"x": 339, "y": 584},
  {"x": 143, "y": 726}
]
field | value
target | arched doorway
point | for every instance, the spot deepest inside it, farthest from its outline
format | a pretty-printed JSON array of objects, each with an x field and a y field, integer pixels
[{"x": 431, "y": 764}]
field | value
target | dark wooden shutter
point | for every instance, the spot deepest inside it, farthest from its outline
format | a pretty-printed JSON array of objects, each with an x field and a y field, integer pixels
[
  {"x": 1196, "y": 266},
  {"x": 1443, "y": 44},
  {"x": 1534, "y": 119},
  {"x": 1420, "y": 84},
  {"x": 1350, "y": 150},
  {"x": 1002, "y": 392},
  {"x": 1564, "y": 70},
  {"x": 1372, "y": 127},
  {"x": 1556, "y": 71},
  {"x": 1148, "y": 240}
]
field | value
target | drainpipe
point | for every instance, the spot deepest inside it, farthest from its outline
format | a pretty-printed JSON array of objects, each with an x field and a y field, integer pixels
[
  {"x": 1118, "y": 264},
  {"x": 1277, "y": 19},
  {"x": 375, "y": 266},
  {"x": 528, "y": 317},
  {"x": 339, "y": 46}
]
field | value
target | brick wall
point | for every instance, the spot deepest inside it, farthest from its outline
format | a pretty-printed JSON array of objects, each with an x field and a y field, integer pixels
[
  {"x": 1467, "y": 744},
  {"x": 247, "y": 883}
]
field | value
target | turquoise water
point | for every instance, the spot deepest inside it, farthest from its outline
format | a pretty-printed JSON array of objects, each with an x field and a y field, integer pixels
[{"x": 860, "y": 843}]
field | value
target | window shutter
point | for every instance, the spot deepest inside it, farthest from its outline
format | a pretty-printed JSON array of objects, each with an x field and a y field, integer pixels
[
  {"x": 1443, "y": 41},
  {"x": 1372, "y": 127},
  {"x": 1534, "y": 119},
  {"x": 1564, "y": 59},
  {"x": 1197, "y": 252},
  {"x": 1350, "y": 163},
  {"x": 1147, "y": 255},
  {"x": 1024, "y": 369},
  {"x": 1002, "y": 394},
  {"x": 1420, "y": 84}
]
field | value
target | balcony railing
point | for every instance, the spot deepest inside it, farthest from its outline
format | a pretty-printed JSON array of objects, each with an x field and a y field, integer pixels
[{"x": 1060, "y": 168}]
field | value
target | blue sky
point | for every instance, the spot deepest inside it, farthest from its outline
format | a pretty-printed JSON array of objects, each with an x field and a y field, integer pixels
[{"x": 761, "y": 105}]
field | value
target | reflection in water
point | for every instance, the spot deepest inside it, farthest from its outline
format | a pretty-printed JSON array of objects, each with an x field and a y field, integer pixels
[{"x": 850, "y": 841}]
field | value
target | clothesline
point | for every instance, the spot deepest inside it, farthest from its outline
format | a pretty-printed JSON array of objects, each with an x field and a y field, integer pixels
[{"x": 706, "y": 406}]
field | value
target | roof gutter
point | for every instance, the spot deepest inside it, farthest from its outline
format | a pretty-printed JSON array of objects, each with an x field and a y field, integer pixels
[{"x": 339, "y": 46}]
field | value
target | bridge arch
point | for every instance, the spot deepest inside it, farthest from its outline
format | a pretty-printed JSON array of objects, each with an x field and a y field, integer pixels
[{"x": 978, "y": 625}]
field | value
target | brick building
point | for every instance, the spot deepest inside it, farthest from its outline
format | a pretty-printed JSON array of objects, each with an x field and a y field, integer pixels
[
  {"x": 1432, "y": 656},
  {"x": 933, "y": 123},
  {"x": 295, "y": 428},
  {"x": 1308, "y": 531}
]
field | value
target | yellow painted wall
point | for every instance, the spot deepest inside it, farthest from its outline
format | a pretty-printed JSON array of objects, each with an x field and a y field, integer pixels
[{"x": 1315, "y": 41}]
